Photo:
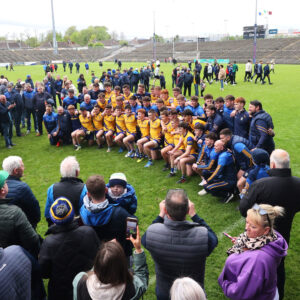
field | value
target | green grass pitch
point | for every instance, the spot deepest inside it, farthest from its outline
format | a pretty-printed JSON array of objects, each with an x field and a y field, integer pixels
[{"x": 280, "y": 100}]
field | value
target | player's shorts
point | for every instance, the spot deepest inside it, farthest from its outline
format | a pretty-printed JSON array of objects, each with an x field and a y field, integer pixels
[
  {"x": 96, "y": 131},
  {"x": 121, "y": 132},
  {"x": 107, "y": 131}
]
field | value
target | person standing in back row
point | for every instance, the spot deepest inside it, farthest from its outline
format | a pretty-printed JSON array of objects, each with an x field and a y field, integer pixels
[
  {"x": 188, "y": 80},
  {"x": 282, "y": 189}
]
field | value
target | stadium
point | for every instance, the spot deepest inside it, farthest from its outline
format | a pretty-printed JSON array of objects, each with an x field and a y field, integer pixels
[{"x": 158, "y": 50}]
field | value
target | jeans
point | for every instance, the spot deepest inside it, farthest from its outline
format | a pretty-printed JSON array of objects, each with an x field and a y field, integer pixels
[
  {"x": 196, "y": 89},
  {"x": 30, "y": 112},
  {"x": 7, "y": 133},
  {"x": 222, "y": 83}
]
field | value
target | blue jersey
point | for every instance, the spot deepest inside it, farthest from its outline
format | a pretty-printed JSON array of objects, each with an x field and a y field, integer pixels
[
  {"x": 180, "y": 109},
  {"x": 211, "y": 160},
  {"x": 228, "y": 121},
  {"x": 134, "y": 109},
  {"x": 50, "y": 121},
  {"x": 197, "y": 111},
  {"x": 225, "y": 170},
  {"x": 89, "y": 106},
  {"x": 70, "y": 101}
]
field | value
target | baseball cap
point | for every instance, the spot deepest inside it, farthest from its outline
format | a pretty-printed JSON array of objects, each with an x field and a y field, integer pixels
[{"x": 3, "y": 177}]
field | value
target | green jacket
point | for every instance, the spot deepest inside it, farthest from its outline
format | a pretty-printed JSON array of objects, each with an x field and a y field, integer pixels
[
  {"x": 235, "y": 68},
  {"x": 140, "y": 276},
  {"x": 15, "y": 228}
]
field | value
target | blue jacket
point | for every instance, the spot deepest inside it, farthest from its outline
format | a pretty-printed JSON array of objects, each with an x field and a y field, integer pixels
[
  {"x": 109, "y": 223},
  {"x": 214, "y": 124},
  {"x": 258, "y": 136},
  {"x": 241, "y": 124},
  {"x": 22, "y": 196},
  {"x": 28, "y": 99},
  {"x": 127, "y": 201},
  {"x": 266, "y": 70},
  {"x": 50, "y": 121}
]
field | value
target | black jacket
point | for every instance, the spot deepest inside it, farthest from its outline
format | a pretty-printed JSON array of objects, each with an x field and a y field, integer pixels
[
  {"x": 68, "y": 250},
  {"x": 188, "y": 78},
  {"x": 39, "y": 100},
  {"x": 282, "y": 189}
]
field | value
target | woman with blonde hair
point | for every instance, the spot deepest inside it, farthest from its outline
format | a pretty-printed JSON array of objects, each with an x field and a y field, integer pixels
[{"x": 250, "y": 270}]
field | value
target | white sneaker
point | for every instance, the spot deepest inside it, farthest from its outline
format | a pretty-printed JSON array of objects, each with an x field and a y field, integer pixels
[
  {"x": 202, "y": 192},
  {"x": 37, "y": 131},
  {"x": 28, "y": 131},
  {"x": 202, "y": 182}
]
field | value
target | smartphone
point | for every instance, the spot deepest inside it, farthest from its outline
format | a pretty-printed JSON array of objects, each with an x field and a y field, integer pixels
[
  {"x": 131, "y": 224},
  {"x": 229, "y": 236}
]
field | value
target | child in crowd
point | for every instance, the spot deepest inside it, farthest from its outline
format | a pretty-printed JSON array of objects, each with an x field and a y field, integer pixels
[{"x": 122, "y": 193}]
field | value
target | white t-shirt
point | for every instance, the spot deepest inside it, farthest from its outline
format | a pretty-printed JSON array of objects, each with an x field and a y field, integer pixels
[{"x": 248, "y": 67}]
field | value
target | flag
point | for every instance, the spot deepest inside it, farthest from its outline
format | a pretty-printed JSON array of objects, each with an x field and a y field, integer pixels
[
  {"x": 270, "y": 13},
  {"x": 259, "y": 13}
]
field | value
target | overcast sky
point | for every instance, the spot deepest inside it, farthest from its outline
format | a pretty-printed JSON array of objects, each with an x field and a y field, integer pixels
[{"x": 134, "y": 18}]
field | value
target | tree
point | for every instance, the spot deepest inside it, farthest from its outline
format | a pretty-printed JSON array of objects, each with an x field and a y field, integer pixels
[
  {"x": 70, "y": 30},
  {"x": 123, "y": 43},
  {"x": 49, "y": 36},
  {"x": 32, "y": 42},
  {"x": 159, "y": 38}
]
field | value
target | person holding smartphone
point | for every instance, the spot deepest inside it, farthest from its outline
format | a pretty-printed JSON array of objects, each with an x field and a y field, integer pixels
[
  {"x": 110, "y": 277},
  {"x": 178, "y": 247}
]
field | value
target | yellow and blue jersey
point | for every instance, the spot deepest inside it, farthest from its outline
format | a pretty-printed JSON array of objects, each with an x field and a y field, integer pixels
[
  {"x": 86, "y": 122},
  {"x": 196, "y": 121},
  {"x": 108, "y": 95},
  {"x": 153, "y": 99},
  {"x": 188, "y": 140},
  {"x": 169, "y": 138},
  {"x": 130, "y": 123},
  {"x": 126, "y": 98},
  {"x": 144, "y": 127},
  {"x": 109, "y": 122},
  {"x": 155, "y": 130},
  {"x": 98, "y": 121},
  {"x": 120, "y": 124},
  {"x": 102, "y": 105}
]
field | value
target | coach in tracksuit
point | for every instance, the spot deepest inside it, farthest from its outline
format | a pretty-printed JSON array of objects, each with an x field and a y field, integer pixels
[{"x": 261, "y": 122}]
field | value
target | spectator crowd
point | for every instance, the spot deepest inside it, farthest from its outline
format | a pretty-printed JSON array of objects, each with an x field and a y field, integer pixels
[{"x": 86, "y": 253}]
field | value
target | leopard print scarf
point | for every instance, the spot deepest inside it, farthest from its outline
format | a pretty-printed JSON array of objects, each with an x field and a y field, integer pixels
[{"x": 243, "y": 241}]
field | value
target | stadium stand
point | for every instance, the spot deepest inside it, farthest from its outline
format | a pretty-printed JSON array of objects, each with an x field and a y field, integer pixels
[{"x": 282, "y": 50}]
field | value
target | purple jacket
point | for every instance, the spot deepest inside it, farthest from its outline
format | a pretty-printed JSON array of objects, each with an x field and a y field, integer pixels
[{"x": 253, "y": 273}]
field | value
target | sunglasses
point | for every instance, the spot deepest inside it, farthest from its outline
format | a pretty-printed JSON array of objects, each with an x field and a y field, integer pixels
[{"x": 262, "y": 212}]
